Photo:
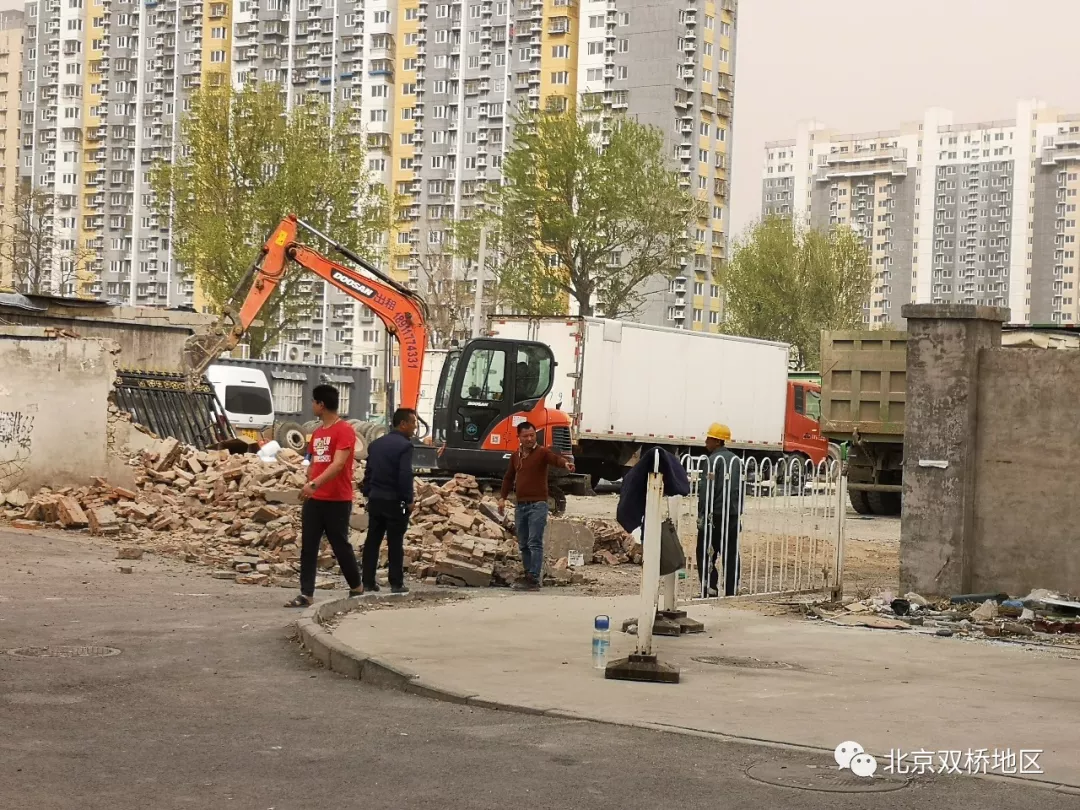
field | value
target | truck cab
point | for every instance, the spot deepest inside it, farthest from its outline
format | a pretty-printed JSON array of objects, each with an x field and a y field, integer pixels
[{"x": 802, "y": 432}]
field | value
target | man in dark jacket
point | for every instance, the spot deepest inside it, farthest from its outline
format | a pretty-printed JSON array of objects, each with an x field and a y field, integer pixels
[
  {"x": 388, "y": 487},
  {"x": 719, "y": 500}
]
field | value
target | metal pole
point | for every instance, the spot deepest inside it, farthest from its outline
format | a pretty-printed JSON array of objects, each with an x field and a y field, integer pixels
[
  {"x": 650, "y": 568},
  {"x": 478, "y": 294}
]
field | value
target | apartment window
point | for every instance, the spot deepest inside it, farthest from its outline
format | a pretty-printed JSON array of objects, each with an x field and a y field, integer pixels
[
  {"x": 408, "y": 64},
  {"x": 217, "y": 57},
  {"x": 594, "y": 74},
  {"x": 438, "y": 111},
  {"x": 622, "y": 71},
  {"x": 595, "y": 48},
  {"x": 378, "y": 116},
  {"x": 725, "y": 29},
  {"x": 442, "y": 35},
  {"x": 624, "y": 18},
  {"x": 406, "y": 114},
  {"x": 500, "y": 9},
  {"x": 439, "y": 87},
  {"x": 474, "y": 37},
  {"x": 406, "y": 163},
  {"x": 408, "y": 89},
  {"x": 410, "y": 39},
  {"x": 560, "y": 51},
  {"x": 710, "y": 22},
  {"x": 560, "y": 77},
  {"x": 412, "y": 13},
  {"x": 438, "y": 136},
  {"x": 706, "y": 75},
  {"x": 380, "y": 91},
  {"x": 376, "y": 164},
  {"x": 624, "y": 46},
  {"x": 383, "y": 17},
  {"x": 697, "y": 316},
  {"x": 474, "y": 61},
  {"x": 437, "y": 161},
  {"x": 440, "y": 61},
  {"x": 406, "y": 139},
  {"x": 724, "y": 56},
  {"x": 707, "y": 49},
  {"x": 218, "y": 32}
]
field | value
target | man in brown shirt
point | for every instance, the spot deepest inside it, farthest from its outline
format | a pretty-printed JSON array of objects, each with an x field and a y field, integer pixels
[{"x": 527, "y": 475}]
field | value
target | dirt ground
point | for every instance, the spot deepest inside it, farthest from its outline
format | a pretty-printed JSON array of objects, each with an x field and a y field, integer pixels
[{"x": 871, "y": 553}]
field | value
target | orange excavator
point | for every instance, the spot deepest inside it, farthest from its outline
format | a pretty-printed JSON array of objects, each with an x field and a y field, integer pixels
[{"x": 485, "y": 390}]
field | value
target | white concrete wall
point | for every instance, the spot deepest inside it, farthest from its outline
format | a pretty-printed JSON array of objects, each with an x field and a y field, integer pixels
[{"x": 53, "y": 409}]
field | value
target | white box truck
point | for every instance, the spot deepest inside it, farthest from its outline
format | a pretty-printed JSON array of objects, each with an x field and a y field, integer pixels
[{"x": 628, "y": 386}]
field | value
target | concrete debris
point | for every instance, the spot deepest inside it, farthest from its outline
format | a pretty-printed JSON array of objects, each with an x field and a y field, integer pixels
[
  {"x": 985, "y": 612},
  {"x": 1028, "y": 620},
  {"x": 240, "y": 517}
]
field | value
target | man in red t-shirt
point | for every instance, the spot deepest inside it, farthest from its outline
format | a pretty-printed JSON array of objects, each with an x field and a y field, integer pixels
[{"x": 327, "y": 496}]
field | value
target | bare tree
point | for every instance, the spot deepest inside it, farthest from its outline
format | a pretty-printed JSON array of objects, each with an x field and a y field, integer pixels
[
  {"x": 40, "y": 263},
  {"x": 449, "y": 298}
]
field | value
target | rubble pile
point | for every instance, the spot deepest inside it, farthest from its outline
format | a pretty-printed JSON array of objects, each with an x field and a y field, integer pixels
[
  {"x": 614, "y": 546},
  {"x": 1033, "y": 617},
  {"x": 240, "y": 516}
]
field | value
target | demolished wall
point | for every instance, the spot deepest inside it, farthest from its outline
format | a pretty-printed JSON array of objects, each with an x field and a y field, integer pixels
[{"x": 53, "y": 408}]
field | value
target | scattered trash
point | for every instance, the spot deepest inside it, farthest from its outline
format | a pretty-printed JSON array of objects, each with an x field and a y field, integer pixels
[{"x": 901, "y": 607}]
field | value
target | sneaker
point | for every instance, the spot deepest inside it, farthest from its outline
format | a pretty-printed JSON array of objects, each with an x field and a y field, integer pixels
[
  {"x": 526, "y": 583},
  {"x": 400, "y": 590}
]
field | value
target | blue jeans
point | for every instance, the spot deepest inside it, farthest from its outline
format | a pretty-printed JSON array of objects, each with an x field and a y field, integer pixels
[{"x": 530, "y": 520}]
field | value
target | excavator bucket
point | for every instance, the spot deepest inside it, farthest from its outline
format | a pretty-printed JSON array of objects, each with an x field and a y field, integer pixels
[{"x": 201, "y": 350}]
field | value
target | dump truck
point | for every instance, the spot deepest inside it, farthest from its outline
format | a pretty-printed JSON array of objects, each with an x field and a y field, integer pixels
[
  {"x": 629, "y": 386},
  {"x": 863, "y": 394},
  {"x": 863, "y": 385}
]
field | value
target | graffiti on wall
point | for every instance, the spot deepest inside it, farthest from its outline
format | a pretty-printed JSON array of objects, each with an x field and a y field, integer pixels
[{"x": 16, "y": 429}]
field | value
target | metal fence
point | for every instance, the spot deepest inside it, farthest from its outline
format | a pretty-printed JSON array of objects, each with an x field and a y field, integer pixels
[
  {"x": 773, "y": 527},
  {"x": 162, "y": 403}
]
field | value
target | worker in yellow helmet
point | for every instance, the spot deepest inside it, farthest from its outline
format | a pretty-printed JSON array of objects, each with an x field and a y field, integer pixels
[{"x": 719, "y": 504}]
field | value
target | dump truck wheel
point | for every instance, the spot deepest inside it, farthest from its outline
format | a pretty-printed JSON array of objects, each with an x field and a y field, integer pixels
[
  {"x": 859, "y": 502},
  {"x": 884, "y": 503},
  {"x": 292, "y": 436}
]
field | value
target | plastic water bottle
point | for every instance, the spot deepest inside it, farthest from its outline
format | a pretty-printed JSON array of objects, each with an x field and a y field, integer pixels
[{"x": 601, "y": 640}]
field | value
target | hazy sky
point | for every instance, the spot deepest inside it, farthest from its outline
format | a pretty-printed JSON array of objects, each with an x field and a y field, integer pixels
[{"x": 869, "y": 64}]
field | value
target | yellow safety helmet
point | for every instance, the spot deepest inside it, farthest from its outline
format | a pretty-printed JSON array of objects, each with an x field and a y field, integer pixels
[{"x": 719, "y": 432}]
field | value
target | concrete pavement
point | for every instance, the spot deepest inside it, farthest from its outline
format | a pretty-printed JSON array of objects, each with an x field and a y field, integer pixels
[
  {"x": 749, "y": 676},
  {"x": 209, "y": 704}
]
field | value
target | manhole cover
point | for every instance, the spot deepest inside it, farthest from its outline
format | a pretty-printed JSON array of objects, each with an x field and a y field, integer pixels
[
  {"x": 63, "y": 652},
  {"x": 745, "y": 663},
  {"x": 824, "y": 778}
]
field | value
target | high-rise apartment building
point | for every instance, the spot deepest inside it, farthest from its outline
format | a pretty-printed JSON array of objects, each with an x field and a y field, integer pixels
[
  {"x": 104, "y": 84},
  {"x": 981, "y": 213},
  {"x": 11, "y": 36},
  {"x": 672, "y": 65}
]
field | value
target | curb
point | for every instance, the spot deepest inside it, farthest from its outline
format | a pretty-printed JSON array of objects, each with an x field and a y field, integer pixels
[{"x": 357, "y": 665}]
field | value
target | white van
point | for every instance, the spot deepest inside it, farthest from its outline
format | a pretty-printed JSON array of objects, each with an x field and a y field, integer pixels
[{"x": 245, "y": 395}]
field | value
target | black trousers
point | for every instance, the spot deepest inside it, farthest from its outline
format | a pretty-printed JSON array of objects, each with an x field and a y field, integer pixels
[
  {"x": 731, "y": 558},
  {"x": 332, "y": 519},
  {"x": 389, "y": 518}
]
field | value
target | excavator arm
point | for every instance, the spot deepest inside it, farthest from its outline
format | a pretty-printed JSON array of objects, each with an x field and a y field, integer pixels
[{"x": 402, "y": 312}]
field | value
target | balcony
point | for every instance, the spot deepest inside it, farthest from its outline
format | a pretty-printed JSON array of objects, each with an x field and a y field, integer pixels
[{"x": 559, "y": 25}]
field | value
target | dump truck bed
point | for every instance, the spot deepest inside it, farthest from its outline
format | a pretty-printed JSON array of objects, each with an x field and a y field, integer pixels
[{"x": 863, "y": 385}]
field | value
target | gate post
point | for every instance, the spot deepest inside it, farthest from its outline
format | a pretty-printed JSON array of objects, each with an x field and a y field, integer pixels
[{"x": 937, "y": 523}]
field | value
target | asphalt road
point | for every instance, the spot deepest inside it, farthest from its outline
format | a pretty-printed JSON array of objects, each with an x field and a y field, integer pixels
[{"x": 211, "y": 704}]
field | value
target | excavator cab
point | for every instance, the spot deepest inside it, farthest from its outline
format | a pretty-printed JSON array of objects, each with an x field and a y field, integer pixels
[{"x": 485, "y": 391}]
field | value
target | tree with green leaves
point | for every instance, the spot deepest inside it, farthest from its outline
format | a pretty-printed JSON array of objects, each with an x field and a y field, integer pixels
[
  {"x": 242, "y": 163},
  {"x": 578, "y": 220},
  {"x": 787, "y": 283}
]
